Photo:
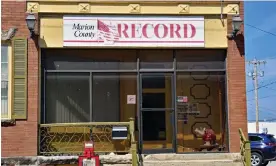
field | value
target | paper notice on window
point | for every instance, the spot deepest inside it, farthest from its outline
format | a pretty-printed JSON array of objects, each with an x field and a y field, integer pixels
[
  {"x": 131, "y": 99},
  {"x": 182, "y": 99}
]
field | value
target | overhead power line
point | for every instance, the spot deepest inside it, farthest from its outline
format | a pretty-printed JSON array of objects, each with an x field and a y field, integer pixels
[
  {"x": 269, "y": 109},
  {"x": 263, "y": 86},
  {"x": 263, "y": 110},
  {"x": 270, "y": 88},
  {"x": 263, "y": 97},
  {"x": 273, "y": 34},
  {"x": 270, "y": 58}
]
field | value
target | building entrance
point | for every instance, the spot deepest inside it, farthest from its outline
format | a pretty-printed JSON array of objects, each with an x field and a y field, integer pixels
[{"x": 157, "y": 112}]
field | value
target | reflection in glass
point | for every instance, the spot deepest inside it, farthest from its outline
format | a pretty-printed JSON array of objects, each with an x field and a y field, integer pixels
[
  {"x": 200, "y": 59},
  {"x": 67, "y": 97},
  {"x": 154, "y": 125},
  {"x": 153, "y": 81},
  {"x": 4, "y": 68},
  {"x": 90, "y": 65},
  {"x": 153, "y": 100},
  {"x": 4, "y": 53},
  {"x": 157, "y": 129},
  {"x": 156, "y": 59},
  {"x": 109, "y": 96},
  {"x": 106, "y": 97},
  {"x": 90, "y": 60},
  {"x": 200, "y": 65},
  {"x": 4, "y": 81},
  {"x": 4, "y": 99}
]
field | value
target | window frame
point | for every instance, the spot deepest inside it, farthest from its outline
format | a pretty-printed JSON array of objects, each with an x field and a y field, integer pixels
[
  {"x": 271, "y": 138},
  {"x": 10, "y": 76},
  {"x": 261, "y": 139}
]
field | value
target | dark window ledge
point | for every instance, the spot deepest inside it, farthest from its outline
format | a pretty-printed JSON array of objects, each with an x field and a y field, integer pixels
[{"x": 7, "y": 122}]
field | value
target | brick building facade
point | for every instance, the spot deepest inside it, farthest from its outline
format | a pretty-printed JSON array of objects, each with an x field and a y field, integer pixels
[
  {"x": 22, "y": 136},
  {"x": 237, "y": 87}
]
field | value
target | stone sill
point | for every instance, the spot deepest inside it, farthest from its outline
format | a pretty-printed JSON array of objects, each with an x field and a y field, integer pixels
[{"x": 7, "y": 122}]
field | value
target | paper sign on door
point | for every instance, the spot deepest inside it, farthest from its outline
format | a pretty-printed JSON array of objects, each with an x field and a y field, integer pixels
[{"x": 131, "y": 99}]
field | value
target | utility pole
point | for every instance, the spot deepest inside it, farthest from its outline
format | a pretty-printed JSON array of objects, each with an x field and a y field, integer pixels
[{"x": 254, "y": 76}]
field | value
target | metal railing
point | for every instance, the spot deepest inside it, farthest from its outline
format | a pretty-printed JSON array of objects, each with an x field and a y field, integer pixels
[
  {"x": 245, "y": 149},
  {"x": 68, "y": 138}
]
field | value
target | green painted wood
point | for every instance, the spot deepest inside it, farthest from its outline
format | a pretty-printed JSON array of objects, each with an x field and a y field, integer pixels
[{"x": 19, "y": 78}]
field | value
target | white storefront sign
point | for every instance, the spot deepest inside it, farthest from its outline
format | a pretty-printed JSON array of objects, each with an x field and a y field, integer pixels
[{"x": 133, "y": 31}]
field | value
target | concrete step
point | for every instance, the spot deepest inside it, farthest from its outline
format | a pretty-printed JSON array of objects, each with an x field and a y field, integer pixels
[
  {"x": 207, "y": 159},
  {"x": 199, "y": 156},
  {"x": 193, "y": 163},
  {"x": 174, "y": 163}
]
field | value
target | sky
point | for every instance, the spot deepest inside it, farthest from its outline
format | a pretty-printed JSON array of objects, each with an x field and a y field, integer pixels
[{"x": 261, "y": 45}]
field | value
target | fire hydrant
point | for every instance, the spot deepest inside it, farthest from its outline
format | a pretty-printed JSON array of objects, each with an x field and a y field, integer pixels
[{"x": 89, "y": 158}]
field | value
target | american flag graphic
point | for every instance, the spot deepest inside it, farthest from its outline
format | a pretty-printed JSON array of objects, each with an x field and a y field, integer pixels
[{"x": 107, "y": 33}]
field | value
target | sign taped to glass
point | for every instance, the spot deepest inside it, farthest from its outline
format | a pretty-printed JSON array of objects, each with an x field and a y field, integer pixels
[
  {"x": 184, "y": 109},
  {"x": 135, "y": 31},
  {"x": 182, "y": 99}
]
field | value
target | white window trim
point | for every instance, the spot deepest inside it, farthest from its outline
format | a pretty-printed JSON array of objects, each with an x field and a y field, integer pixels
[{"x": 9, "y": 80}]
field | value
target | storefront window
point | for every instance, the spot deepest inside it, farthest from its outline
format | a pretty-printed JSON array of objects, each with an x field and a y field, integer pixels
[
  {"x": 87, "y": 97},
  {"x": 175, "y": 96},
  {"x": 67, "y": 98},
  {"x": 200, "y": 109},
  {"x": 110, "y": 92},
  {"x": 106, "y": 97}
]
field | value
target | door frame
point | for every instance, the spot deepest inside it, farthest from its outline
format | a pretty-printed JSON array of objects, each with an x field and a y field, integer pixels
[{"x": 172, "y": 109}]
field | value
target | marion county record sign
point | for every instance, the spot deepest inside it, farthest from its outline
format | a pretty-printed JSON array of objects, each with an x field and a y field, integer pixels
[{"x": 133, "y": 31}]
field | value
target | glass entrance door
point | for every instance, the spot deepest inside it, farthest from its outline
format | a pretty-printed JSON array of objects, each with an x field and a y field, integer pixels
[{"x": 156, "y": 112}]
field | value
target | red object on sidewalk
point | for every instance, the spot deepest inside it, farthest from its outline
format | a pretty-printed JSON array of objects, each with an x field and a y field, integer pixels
[{"x": 89, "y": 155}]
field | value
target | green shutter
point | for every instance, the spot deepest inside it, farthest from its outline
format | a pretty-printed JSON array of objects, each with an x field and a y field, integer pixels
[{"x": 19, "y": 78}]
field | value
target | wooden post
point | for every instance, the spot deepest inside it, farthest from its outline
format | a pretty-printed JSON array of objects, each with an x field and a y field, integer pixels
[
  {"x": 245, "y": 149},
  {"x": 134, "y": 154},
  {"x": 132, "y": 129},
  {"x": 247, "y": 153},
  {"x": 133, "y": 147}
]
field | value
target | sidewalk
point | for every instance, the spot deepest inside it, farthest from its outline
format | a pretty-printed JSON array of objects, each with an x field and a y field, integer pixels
[{"x": 272, "y": 164}]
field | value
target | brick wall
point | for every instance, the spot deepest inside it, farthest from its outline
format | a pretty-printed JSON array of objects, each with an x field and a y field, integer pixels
[
  {"x": 236, "y": 85},
  {"x": 22, "y": 138}
]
